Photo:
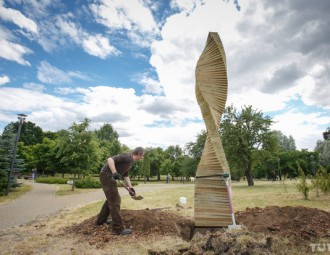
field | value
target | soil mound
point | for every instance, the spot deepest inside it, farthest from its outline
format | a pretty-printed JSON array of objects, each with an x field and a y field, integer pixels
[
  {"x": 298, "y": 223},
  {"x": 146, "y": 223},
  {"x": 263, "y": 231}
]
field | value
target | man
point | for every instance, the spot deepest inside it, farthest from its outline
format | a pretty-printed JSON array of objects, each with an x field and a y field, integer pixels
[{"x": 116, "y": 167}]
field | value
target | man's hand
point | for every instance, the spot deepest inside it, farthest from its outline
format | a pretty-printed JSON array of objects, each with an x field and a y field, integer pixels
[
  {"x": 132, "y": 192},
  {"x": 117, "y": 176}
]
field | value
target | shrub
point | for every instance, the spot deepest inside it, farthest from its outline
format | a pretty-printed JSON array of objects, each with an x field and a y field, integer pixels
[
  {"x": 51, "y": 180},
  {"x": 88, "y": 183},
  {"x": 302, "y": 184}
]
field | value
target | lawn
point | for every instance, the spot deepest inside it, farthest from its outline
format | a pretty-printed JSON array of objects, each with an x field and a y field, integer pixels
[{"x": 262, "y": 194}]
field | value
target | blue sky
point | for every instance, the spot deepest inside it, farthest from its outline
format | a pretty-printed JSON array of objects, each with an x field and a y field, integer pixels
[{"x": 132, "y": 63}]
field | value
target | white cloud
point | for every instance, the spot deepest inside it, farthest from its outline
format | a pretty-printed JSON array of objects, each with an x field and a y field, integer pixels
[
  {"x": 4, "y": 79},
  {"x": 99, "y": 46},
  {"x": 14, "y": 52},
  {"x": 305, "y": 128},
  {"x": 150, "y": 84},
  {"x": 34, "y": 86},
  {"x": 17, "y": 18},
  {"x": 11, "y": 50},
  {"x": 50, "y": 74},
  {"x": 132, "y": 16}
]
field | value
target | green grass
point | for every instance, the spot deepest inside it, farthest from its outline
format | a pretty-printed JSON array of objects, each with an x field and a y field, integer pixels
[{"x": 266, "y": 193}]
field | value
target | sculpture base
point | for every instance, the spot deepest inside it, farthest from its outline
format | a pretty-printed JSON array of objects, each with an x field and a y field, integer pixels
[{"x": 212, "y": 207}]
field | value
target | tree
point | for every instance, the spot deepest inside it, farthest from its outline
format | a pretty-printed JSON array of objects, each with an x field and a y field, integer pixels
[
  {"x": 109, "y": 141},
  {"x": 146, "y": 166},
  {"x": 285, "y": 143},
  {"x": 7, "y": 143},
  {"x": 156, "y": 158},
  {"x": 174, "y": 154},
  {"x": 30, "y": 133},
  {"x": 78, "y": 149},
  {"x": 323, "y": 150},
  {"x": 326, "y": 134},
  {"x": 194, "y": 152},
  {"x": 167, "y": 167},
  {"x": 242, "y": 133}
]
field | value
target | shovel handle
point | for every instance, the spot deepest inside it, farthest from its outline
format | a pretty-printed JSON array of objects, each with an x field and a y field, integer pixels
[{"x": 126, "y": 187}]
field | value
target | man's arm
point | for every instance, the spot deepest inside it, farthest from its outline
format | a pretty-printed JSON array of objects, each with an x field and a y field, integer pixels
[
  {"x": 112, "y": 166},
  {"x": 128, "y": 181}
]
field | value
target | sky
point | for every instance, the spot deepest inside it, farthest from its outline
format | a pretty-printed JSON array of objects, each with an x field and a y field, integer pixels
[{"x": 131, "y": 63}]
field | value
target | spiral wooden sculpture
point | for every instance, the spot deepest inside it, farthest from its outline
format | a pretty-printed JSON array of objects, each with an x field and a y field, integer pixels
[{"x": 212, "y": 207}]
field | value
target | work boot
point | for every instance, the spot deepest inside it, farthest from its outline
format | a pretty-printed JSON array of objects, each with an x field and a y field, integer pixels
[{"x": 126, "y": 231}]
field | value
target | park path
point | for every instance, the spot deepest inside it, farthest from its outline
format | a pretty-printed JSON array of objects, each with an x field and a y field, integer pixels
[{"x": 42, "y": 202}]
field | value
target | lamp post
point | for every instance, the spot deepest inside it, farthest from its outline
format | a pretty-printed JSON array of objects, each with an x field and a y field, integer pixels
[{"x": 21, "y": 118}]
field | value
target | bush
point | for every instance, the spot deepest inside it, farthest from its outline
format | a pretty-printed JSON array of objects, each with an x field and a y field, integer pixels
[
  {"x": 88, "y": 183},
  {"x": 51, "y": 180},
  {"x": 302, "y": 185}
]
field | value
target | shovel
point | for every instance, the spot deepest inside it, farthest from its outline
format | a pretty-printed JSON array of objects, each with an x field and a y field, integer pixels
[{"x": 130, "y": 192}]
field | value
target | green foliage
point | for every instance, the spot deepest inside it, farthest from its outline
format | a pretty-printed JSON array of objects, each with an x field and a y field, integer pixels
[
  {"x": 302, "y": 185},
  {"x": 194, "y": 150},
  {"x": 323, "y": 150},
  {"x": 52, "y": 180},
  {"x": 30, "y": 133},
  {"x": 322, "y": 181},
  {"x": 285, "y": 143},
  {"x": 174, "y": 155},
  {"x": 78, "y": 149},
  {"x": 242, "y": 133},
  {"x": 88, "y": 183},
  {"x": 3, "y": 182},
  {"x": 326, "y": 134},
  {"x": 109, "y": 142},
  {"x": 145, "y": 169},
  {"x": 156, "y": 158},
  {"x": 7, "y": 143}
]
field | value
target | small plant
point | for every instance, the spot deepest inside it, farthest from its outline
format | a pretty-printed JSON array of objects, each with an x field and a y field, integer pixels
[
  {"x": 324, "y": 180},
  {"x": 302, "y": 184}
]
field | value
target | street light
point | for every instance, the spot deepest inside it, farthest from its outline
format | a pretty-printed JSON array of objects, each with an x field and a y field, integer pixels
[{"x": 21, "y": 117}]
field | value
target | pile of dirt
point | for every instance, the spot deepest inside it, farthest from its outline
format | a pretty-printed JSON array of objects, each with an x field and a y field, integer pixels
[
  {"x": 263, "y": 229},
  {"x": 297, "y": 223},
  {"x": 145, "y": 224}
]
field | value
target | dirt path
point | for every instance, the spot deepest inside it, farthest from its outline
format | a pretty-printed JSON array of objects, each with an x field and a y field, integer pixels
[{"x": 42, "y": 202}]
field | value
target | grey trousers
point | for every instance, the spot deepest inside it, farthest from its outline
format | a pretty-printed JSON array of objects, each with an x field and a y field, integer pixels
[{"x": 112, "y": 204}]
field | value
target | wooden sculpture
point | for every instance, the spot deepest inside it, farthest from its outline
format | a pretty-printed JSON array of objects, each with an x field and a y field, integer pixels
[{"x": 212, "y": 205}]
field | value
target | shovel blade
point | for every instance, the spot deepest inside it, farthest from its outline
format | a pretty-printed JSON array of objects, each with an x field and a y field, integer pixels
[{"x": 137, "y": 197}]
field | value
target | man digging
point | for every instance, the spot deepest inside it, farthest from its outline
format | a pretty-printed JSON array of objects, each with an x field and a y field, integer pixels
[{"x": 116, "y": 168}]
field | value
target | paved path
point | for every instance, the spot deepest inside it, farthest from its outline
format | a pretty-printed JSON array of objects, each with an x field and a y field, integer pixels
[{"x": 41, "y": 202}]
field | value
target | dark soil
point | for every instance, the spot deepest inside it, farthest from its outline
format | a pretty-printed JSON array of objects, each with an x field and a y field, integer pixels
[
  {"x": 262, "y": 227},
  {"x": 298, "y": 223},
  {"x": 145, "y": 224}
]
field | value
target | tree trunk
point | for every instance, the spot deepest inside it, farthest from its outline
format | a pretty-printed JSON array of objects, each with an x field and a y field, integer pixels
[{"x": 248, "y": 173}]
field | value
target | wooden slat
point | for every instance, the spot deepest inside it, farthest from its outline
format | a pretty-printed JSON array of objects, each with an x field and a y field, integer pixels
[{"x": 211, "y": 198}]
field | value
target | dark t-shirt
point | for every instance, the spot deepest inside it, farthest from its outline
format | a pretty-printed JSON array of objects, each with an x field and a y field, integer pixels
[{"x": 123, "y": 163}]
